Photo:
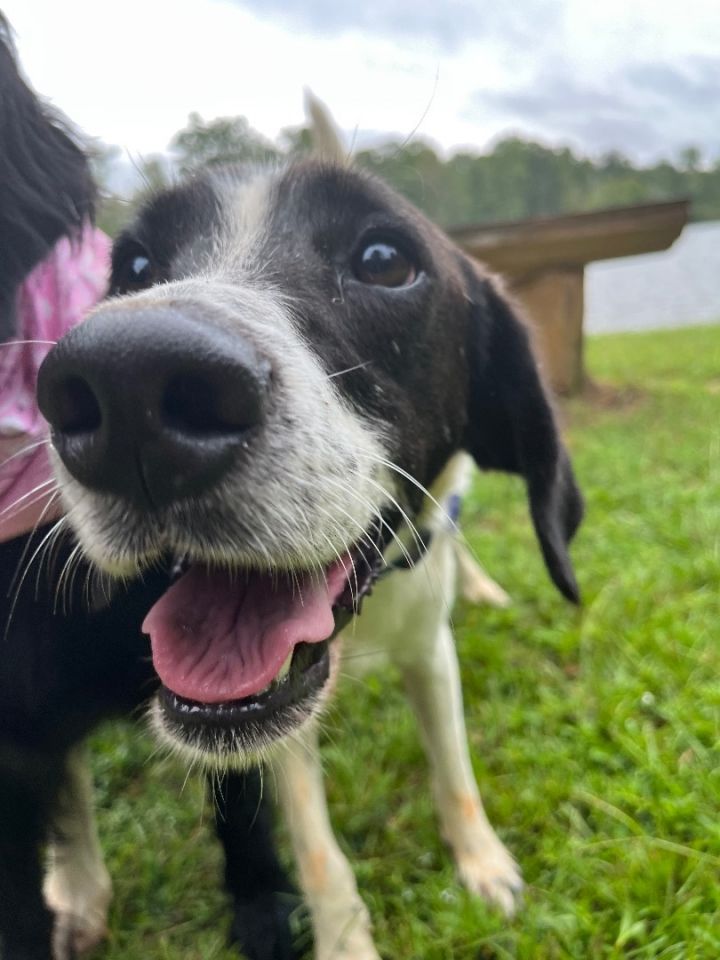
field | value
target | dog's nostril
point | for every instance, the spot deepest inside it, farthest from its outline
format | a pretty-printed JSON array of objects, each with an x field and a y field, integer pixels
[
  {"x": 194, "y": 405},
  {"x": 75, "y": 407}
]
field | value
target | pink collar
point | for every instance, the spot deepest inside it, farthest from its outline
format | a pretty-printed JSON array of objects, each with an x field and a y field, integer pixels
[{"x": 53, "y": 298}]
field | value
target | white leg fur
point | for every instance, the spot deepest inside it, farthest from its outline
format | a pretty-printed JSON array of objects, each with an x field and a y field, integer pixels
[
  {"x": 341, "y": 923},
  {"x": 77, "y": 886},
  {"x": 433, "y": 686},
  {"x": 411, "y": 615}
]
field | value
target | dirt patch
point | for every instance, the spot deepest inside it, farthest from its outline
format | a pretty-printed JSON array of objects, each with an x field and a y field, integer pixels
[
  {"x": 605, "y": 396},
  {"x": 599, "y": 398}
]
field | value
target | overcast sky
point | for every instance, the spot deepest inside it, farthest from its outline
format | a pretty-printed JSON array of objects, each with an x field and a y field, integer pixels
[{"x": 642, "y": 76}]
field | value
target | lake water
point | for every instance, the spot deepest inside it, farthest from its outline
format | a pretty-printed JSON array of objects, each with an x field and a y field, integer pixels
[{"x": 676, "y": 288}]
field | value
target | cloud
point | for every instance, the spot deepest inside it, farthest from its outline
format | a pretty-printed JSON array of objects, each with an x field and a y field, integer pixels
[
  {"x": 695, "y": 83},
  {"x": 447, "y": 25},
  {"x": 646, "y": 109}
]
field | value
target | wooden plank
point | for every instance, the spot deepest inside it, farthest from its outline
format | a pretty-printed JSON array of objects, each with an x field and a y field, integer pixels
[{"x": 523, "y": 247}]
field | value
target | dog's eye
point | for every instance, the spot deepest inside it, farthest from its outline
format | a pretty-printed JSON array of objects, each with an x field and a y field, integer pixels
[
  {"x": 140, "y": 269},
  {"x": 382, "y": 264},
  {"x": 135, "y": 270}
]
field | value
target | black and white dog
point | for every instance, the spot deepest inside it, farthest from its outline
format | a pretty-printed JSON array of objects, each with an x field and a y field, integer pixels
[
  {"x": 71, "y": 659},
  {"x": 271, "y": 403}
]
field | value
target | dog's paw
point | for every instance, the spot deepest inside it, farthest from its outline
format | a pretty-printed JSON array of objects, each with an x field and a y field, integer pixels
[
  {"x": 475, "y": 585},
  {"x": 350, "y": 948},
  {"x": 79, "y": 900},
  {"x": 344, "y": 936},
  {"x": 352, "y": 952},
  {"x": 73, "y": 935},
  {"x": 273, "y": 926},
  {"x": 493, "y": 875}
]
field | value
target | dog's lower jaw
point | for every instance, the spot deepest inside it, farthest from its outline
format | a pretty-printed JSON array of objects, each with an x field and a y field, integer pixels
[{"x": 217, "y": 746}]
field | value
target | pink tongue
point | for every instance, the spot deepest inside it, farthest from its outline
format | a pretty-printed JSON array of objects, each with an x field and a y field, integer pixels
[{"x": 217, "y": 636}]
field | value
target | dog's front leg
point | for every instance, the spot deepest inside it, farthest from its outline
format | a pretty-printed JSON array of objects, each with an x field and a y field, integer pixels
[
  {"x": 77, "y": 886},
  {"x": 341, "y": 923},
  {"x": 263, "y": 897},
  {"x": 25, "y": 921},
  {"x": 432, "y": 680}
]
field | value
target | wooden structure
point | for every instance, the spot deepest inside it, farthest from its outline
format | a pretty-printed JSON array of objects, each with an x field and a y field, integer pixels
[{"x": 544, "y": 262}]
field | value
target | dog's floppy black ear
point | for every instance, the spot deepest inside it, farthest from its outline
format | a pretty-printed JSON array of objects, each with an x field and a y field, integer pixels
[{"x": 511, "y": 424}]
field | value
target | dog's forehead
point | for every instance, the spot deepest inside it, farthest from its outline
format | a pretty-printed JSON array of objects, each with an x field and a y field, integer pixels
[
  {"x": 310, "y": 201},
  {"x": 315, "y": 192},
  {"x": 242, "y": 221}
]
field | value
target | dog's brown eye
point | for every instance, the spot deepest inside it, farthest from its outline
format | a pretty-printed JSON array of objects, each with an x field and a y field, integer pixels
[{"x": 382, "y": 264}]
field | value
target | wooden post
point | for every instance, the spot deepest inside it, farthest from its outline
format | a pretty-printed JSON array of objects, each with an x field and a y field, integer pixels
[{"x": 554, "y": 302}]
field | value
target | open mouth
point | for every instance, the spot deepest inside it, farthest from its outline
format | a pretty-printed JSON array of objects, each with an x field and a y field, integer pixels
[{"x": 244, "y": 655}]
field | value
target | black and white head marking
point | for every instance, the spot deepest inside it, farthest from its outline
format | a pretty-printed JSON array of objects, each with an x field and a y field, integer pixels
[{"x": 321, "y": 351}]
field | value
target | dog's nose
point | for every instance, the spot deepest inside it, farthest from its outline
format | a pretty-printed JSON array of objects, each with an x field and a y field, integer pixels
[{"x": 150, "y": 403}]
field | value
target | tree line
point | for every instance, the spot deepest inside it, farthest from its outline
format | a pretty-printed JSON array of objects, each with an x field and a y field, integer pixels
[{"x": 517, "y": 178}]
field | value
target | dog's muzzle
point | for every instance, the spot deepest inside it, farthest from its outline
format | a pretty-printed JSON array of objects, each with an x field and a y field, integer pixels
[{"x": 154, "y": 409}]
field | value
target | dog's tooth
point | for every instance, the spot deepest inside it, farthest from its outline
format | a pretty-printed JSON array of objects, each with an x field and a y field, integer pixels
[
  {"x": 285, "y": 668},
  {"x": 279, "y": 676}
]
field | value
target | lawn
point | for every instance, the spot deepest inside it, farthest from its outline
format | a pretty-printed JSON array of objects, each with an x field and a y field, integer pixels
[{"x": 595, "y": 733}]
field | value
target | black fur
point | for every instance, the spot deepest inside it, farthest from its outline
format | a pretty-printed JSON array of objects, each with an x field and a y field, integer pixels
[
  {"x": 65, "y": 668},
  {"x": 46, "y": 188}
]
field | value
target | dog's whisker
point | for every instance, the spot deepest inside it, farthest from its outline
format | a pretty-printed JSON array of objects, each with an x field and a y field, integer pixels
[
  {"x": 350, "y": 575},
  {"x": 50, "y": 482},
  {"x": 51, "y": 499},
  {"x": 415, "y": 533},
  {"x": 22, "y": 343},
  {"x": 296, "y": 586},
  {"x": 408, "y": 476},
  {"x": 357, "y": 366},
  {"x": 424, "y": 549},
  {"x": 364, "y": 538},
  {"x": 451, "y": 522},
  {"x": 72, "y": 578},
  {"x": 59, "y": 586},
  {"x": 190, "y": 770},
  {"x": 16, "y": 590},
  {"x": 25, "y": 451},
  {"x": 360, "y": 654},
  {"x": 362, "y": 681},
  {"x": 350, "y": 491},
  {"x": 46, "y": 552},
  {"x": 45, "y": 557}
]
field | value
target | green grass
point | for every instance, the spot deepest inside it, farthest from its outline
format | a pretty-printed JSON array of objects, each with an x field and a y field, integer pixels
[{"x": 595, "y": 733}]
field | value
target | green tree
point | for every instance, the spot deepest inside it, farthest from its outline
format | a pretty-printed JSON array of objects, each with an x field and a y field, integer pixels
[
  {"x": 517, "y": 178},
  {"x": 224, "y": 140}
]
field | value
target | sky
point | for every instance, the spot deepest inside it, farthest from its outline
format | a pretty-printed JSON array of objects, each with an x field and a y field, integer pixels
[{"x": 640, "y": 76}]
